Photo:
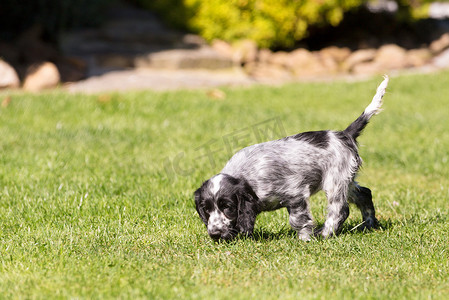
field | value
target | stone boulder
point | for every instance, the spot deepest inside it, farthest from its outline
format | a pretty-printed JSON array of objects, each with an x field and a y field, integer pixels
[
  {"x": 442, "y": 59},
  {"x": 358, "y": 57},
  {"x": 8, "y": 76},
  {"x": 440, "y": 45},
  {"x": 41, "y": 76},
  {"x": 418, "y": 57},
  {"x": 279, "y": 58},
  {"x": 339, "y": 55},
  {"x": 265, "y": 72},
  {"x": 223, "y": 48},
  {"x": 241, "y": 52},
  {"x": 264, "y": 55},
  {"x": 333, "y": 57},
  {"x": 204, "y": 58},
  {"x": 368, "y": 68},
  {"x": 305, "y": 63},
  {"x": 391, "y": 57}
]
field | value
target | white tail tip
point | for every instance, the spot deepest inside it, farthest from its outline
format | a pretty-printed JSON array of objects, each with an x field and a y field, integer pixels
[
  {"x": 376, "y": 104},
  {"x": 383, "y": 84}
]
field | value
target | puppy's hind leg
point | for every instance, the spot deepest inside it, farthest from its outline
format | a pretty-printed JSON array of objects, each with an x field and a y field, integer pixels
[
  {"x": 361, "y": 196},
  {"x": 338, "y": 211}
]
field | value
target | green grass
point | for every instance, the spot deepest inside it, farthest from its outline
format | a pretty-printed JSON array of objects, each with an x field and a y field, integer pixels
[{"x": 96, "y": 195}]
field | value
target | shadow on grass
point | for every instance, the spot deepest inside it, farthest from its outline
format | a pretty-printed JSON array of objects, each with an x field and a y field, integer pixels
[
  {"x": 352, "y": 227},
  {"x": 349, "y": 228},
  {"x": 262, "y": 234}
]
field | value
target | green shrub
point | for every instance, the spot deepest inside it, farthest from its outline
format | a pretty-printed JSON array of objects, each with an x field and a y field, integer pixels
[
  {"x": 271, "y": 23},
  {"x": 414, "y": 10}
]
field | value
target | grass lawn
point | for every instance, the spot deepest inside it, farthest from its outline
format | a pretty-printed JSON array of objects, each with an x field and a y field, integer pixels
[{"x": 96, "y": 195}]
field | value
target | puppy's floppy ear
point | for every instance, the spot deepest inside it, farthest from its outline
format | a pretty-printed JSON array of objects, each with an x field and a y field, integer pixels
[
  {"x": 247, "y": 208},
  {"x": 199, "y": 207}
]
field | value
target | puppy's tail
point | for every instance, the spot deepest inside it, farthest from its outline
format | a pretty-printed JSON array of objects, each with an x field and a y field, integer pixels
[{"x": 374, "y": 108}]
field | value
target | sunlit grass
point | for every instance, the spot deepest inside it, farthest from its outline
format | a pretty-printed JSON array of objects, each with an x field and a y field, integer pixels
[{"x": 96, "y": 195}]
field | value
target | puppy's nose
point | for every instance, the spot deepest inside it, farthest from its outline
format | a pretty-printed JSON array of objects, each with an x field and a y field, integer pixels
[
  {"x": 215, "y": 236},
  {"x": 215, "y": 233}
]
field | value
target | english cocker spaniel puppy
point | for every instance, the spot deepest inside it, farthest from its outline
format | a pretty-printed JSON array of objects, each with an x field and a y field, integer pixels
[{"x": 285, "y": 173}]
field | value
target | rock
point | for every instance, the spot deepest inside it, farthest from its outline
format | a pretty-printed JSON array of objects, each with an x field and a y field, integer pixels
[
  {"x": 8, "y": 76},
  {"x": 204, "y": 58},
  {"x": 245, "y": 51},
  {"x": 299, "y": 58},
  {"x": 192, "y": 41},
  {"x": 391, "y": 57},
  {"x": 268, "y": 72},
  {"x": 41, "y": 76},
  {"x": 143, "y": 79},
  {"x": 129, "y": 32},
  {"x": 357, "y": 57},
  {"x": 279, "y": 58},
  {"x": 264, "y": 55},
  {"x": 388, "y": 57},
  {"x": 441, "y": 44},
  {"x": 305, "y": 63},
  {"x": 240, "y": 53},
  {"x": 442, "y": 60},
  {"x": 368, "y": 68},
  {"x": 337, "y": 54},
  {"x": 223, "y": 48},
  {"x": 333, "y": 57},
  {"x": 328, "y": 62},
  {"x": 418, "y": 57}
]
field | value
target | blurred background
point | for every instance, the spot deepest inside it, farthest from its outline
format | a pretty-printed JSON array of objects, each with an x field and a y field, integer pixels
[{"x": 44, "y": 43}]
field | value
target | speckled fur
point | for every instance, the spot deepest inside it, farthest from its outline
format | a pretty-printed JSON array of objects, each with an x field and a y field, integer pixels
[{"x": 285, "y": 173}]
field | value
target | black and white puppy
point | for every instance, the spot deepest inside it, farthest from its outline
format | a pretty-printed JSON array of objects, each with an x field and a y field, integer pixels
[{"x": 285, "y": 173}]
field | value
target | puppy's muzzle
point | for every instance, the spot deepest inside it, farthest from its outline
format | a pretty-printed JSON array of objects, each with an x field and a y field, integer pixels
[
  {"x": 216, "y": 234},
  {"x": 220, "y": 233}
]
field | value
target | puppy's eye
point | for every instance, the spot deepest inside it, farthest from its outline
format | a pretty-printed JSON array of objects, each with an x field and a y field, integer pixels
[
  {"x": 230, "y": 212},
  {"x": 208, "y": 206},
  {"x": 228, "y": 208}
]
